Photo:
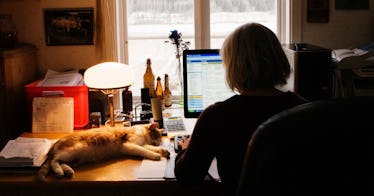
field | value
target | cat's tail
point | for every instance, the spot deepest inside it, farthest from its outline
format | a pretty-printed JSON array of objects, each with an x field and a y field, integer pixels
[{"x": 41, "y": 175}]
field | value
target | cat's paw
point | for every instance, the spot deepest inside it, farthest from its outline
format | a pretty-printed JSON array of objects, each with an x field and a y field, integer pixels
[
  {"x": 156, "y": 157},
  {"x": 59, "y": 174},
  {"x": 165, "y": 153},
  {"x": 69, "y": 174}
]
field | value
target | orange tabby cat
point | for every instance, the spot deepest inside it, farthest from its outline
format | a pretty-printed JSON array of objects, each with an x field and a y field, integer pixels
[{"x": 102, "y": 143}]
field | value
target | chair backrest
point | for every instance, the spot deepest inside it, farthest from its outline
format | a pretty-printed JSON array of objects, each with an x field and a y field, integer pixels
[{"x": 312, "y": 149}]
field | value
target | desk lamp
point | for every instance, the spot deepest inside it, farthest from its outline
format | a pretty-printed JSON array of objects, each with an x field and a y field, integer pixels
[{"x": 109, "y": 77}]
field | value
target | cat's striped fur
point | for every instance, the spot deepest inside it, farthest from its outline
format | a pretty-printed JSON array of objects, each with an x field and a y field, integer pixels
[{"x": 102, "y": 143}]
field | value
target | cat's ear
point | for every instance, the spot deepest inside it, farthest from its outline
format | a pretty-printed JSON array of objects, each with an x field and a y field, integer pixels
[
  {"x": 153, "y": 126},
  {"x": 161, "y": 131}
]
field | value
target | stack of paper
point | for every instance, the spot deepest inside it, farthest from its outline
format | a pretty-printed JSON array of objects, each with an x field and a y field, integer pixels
[
  {"x": 353, "y": 58},
  {"x": 69, "y": 78},
  {"x": 340, "y": 54},
  {"x": 25, "y": 152}
]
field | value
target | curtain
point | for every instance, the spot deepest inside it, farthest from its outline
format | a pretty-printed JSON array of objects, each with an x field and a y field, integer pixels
[{"x": 106, "y": 43}]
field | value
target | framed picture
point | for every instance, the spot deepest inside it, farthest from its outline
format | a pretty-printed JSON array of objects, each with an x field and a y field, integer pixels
[
  {"x": 318, "y": 11},
  {"x": 73, "y": 26},
  {"x": 352, "y": 5}
]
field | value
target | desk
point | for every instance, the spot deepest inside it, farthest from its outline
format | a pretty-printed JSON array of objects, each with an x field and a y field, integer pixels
[
  {"x": 347, "y": 84},
  {"x": 115, "y": 176},
  {"x": 111, "y": 177}
]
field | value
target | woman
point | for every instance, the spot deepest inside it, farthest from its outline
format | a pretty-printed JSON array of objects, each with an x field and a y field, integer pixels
[{"x": 255, "y": 65}]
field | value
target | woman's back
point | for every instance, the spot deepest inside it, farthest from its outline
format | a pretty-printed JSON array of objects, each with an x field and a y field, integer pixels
[{"x": 223, "y": 131}]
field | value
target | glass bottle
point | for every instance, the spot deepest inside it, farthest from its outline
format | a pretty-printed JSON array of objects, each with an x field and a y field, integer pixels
[
  {"x": 160, "y": 92},
  {"x": 127, "y": 101},
  {"x": 167, "y": 92},
  {"x": 149, "y": 78}
]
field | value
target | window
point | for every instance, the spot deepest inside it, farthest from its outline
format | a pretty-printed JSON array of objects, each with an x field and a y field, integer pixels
[
  {"x": 203, "y": 23},
  {"x": 226, "y": 15}
]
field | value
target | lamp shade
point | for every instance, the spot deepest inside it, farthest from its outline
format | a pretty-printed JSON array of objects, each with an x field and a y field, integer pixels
[{"x": 109, "y": 75}]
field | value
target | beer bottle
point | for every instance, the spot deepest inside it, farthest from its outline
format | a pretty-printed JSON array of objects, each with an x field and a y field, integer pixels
[
  {"x": 149, "y": 79},
  {"x": 167, "y": 92},
  {"x": 160, "y": 92}
]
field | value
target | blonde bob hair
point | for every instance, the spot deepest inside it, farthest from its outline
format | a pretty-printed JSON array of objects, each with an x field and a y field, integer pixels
[{"x": 254, "y": 58}]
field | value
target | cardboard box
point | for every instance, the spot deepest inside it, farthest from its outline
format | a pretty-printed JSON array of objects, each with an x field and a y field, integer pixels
[{"x": 79, "y": 93}]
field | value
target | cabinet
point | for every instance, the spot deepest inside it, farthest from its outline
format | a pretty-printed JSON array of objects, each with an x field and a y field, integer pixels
[
  {"x": 354, "y": 76},
  {"x": 312, "y": 70},
  {"x": 347, "y": 84},
  {"x": 18, "y": 66}
]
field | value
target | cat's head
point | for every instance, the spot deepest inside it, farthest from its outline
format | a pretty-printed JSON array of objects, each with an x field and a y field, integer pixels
[{"x": 153, "y": 133}]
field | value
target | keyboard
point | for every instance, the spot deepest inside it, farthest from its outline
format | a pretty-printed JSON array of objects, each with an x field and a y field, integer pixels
[{"x": 174, "y": 125}]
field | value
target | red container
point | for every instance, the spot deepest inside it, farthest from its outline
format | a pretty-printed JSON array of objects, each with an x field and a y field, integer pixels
[{"x": 79, "y": 93}]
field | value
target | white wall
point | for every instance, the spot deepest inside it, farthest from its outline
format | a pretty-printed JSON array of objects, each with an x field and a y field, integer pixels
[
  {"x": 28, "y": 19},
  {"x": 345, "y": 29}
]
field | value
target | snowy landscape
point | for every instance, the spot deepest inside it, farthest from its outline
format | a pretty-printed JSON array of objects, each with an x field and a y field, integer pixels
[{"x": 149, "y": 28}]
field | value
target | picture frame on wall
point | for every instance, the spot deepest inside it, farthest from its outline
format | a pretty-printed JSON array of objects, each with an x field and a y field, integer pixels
[
  {"x": 318, "y": 11},
  {"x": 352, "y": 5},
  {"x": 69, "y": 26}
]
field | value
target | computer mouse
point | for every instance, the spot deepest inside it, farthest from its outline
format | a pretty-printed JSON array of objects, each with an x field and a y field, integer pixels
[{"x": 177, "y": 147}]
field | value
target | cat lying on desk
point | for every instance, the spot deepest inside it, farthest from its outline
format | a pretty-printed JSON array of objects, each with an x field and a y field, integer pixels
[{"x": 102, "y": 143}]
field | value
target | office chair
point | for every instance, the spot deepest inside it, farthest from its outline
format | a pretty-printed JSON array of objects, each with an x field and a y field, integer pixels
[{"x": 321, "y": 147}]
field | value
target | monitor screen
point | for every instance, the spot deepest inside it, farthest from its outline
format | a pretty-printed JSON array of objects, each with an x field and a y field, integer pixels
[{"x": 203, "y": 80}]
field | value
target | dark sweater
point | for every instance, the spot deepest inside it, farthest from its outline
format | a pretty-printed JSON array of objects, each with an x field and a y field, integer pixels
[{"x": 223, "y": 131}]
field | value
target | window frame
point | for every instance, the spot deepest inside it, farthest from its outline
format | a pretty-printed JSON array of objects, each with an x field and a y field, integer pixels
[
  {"x": 288, "y": 14},
  {"x": 289, "y": 20}
]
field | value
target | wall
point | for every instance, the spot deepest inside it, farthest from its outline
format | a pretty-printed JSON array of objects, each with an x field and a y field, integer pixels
[
  {"x": 345, "y": 29},
  {"x": 28, "y": 19}
]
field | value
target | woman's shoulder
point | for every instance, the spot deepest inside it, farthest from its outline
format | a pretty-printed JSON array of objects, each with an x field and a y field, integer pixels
[
  {"x": 296, "y": 97},
  {"x": 240, "y": 101},
  {"x": 233, "y": 100},
  {"x": 224, "y": 105}
]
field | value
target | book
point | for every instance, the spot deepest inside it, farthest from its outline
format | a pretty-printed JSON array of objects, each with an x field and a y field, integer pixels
[
  {"x": 25, "y": 152},
  {"x": 353, "y": 58},
  {"x": 340, "y": 54}
]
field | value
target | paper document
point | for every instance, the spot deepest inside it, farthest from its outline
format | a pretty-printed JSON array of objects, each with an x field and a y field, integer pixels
[
  {"x": 25, "y": 152},
  {"x": 53, "y": 114},
  {"x": 340, "y": 54},
  {"x": 213, "y": 171},
  {"x": 164, "y": 169},
  {"x": 169, "y": 170},
  {"x": 69, "y": 78},
  {"x": 151, "y": 169}
]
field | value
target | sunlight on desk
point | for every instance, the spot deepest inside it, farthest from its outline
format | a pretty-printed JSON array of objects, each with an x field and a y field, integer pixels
[
  {"x": 114, "y": 176},
  {"x": 120, "y": 169}
]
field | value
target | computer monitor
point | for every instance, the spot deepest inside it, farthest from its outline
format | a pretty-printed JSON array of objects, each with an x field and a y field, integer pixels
[{"x": 203, "y": 80}]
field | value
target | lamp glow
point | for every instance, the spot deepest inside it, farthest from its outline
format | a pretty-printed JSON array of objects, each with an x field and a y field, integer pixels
[{"x": 109, "y": 77}]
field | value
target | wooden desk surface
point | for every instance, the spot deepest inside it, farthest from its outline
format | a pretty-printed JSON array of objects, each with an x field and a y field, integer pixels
[
  {"x": 119, "y": 169},
  {"x": 115, "y": 176}
]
